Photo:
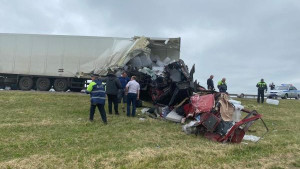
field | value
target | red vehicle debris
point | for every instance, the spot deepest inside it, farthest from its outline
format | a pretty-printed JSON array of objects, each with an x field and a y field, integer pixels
[{"x": 177, "y": 97}]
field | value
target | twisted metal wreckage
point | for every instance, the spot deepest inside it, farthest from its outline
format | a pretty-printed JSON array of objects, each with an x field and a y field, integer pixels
[{"x": 177, "y": 97}]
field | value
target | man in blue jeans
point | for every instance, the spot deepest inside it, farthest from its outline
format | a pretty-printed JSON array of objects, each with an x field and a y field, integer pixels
[
  {"x": 133, "y": 94},
  {"x": 121, "y": 95},
  {"x": 97, "y": 93},
  {"x": 112, "y": 87}
]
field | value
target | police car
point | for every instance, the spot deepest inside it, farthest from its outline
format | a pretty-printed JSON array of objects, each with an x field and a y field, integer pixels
[{"x": 284, "y": 91}]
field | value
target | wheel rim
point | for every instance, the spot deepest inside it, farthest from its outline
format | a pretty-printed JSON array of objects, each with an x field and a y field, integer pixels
[
  {"x": 25, "y": 83},
  {"x": 61, "y": 84},
  {"x": 43, "y": 84}
]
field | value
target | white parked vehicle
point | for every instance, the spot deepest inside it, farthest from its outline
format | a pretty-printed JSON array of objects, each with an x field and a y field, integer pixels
[{"x": 284, "y": 91}]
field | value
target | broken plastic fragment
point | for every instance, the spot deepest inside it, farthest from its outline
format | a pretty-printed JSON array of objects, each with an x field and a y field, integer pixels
[
  {"x": 173, "y": 116},
  {"x": 251, "y": 138}
]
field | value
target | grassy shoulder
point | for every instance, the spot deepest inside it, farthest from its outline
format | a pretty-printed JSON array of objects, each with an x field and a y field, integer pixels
[{"x": 51, "y": 130}]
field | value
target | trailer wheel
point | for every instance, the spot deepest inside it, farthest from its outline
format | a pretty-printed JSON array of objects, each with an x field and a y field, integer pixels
[
  {"x": 60, "y": 85},
  {"x": 26, "y": 83},
  {"x": 43, "y": 84}
]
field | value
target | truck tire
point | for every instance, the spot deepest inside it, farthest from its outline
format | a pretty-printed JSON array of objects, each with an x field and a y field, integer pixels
[
  {"x": 285, "y": 96},
  {"x": 297, "y": 97},
  {"x": 25, "y": 83},
  {"x": 43, "y": 84},
  {"x": 60, "y": 85}
]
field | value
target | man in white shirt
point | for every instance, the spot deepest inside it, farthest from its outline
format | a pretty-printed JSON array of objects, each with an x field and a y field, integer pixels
[{"x": 133, "y": 94}]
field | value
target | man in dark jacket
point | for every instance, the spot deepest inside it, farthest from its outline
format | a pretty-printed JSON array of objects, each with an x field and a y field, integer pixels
[
  {"x": 261, "y": 87},
  {"x": 97, "y": 92},
  {"x": 222, "y": 86},
  {"x": 124, "y": 79},
  {"x": 112, "y": 87},
  {"x": 272, "y": 86},
  {"x": 210, "y": 83}
]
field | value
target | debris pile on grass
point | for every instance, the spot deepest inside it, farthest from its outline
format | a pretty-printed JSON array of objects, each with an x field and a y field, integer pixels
[{"x": 177, "y": 97}]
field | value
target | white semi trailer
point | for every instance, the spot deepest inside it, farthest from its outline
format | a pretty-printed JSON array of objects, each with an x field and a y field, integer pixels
[{"x": 31, "y": 61}]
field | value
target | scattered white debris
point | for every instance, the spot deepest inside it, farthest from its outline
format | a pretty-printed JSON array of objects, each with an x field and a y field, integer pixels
[
  {"x": 251, "y": 138},
  {"x": 144, "y": 110},
  {"x": 237, "y": 112},
  {"x": 234, "y": 101},
  {"x": 142, "y": 119},
  {"x": 272, "y": 101},
  {"x": 189, "y": 128},
  {"x": 173, "y": 116},
  {"x": 7, "y": 88}
]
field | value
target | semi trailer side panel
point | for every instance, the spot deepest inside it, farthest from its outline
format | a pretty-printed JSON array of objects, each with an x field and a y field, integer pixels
[
  {"x": 75, "y": 56},
  {"x": 54, "y": 55}
]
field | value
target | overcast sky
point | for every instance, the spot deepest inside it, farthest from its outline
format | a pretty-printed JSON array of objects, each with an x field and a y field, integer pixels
[{"x": 243, "y": 41}]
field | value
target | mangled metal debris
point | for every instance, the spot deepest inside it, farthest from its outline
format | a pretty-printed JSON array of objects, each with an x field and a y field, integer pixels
[
  {"x": 165, "y": 85},
  {"x": 177, "y": 97},
  {"x": 214, "y": 117}
]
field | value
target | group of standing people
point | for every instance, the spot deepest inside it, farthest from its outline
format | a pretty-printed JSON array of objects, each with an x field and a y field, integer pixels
[
  {"x": 118, "y": 90},
  {"x": 222, "y": 86},
  {"x": 127, "y": 90}
]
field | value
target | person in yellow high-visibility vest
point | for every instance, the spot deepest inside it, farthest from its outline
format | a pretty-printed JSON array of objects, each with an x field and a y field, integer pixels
[
  {"x": 261, "y": 87},
  {"x": 222, "y": 86},
  {"x": 97, "y": 92}
]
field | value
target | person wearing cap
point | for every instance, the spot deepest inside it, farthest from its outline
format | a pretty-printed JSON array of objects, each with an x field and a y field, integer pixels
[
  {"x": 261, "y": 87},
  {"x": 133, "y": 94},
  {"x": 112, "y": 88},
  {"x": 97, "y": 93}
]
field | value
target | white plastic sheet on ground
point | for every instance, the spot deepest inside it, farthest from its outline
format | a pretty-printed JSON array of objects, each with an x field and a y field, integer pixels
[
  {"x": 251, "y": 138},
  {"x": 272, "y": 101}
]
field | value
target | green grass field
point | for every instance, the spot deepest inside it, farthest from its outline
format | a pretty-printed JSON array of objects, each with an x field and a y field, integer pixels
[{"x": 51, "y": 130}]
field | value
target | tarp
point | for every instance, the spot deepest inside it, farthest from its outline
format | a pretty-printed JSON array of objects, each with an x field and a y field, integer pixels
[{"x": 203, "y": 103}]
